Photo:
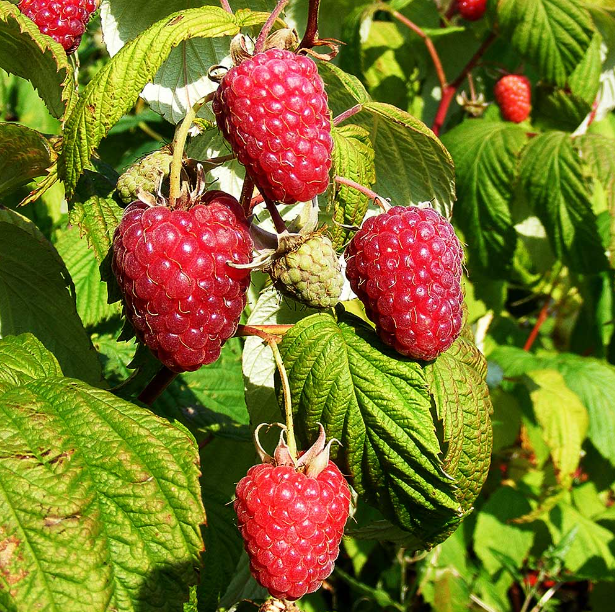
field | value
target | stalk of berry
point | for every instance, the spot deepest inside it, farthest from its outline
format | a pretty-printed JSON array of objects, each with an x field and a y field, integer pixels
[
  {"x": 64, "y": 20},
  {"x": 273, "y": 110},
  {"x": 291, "y": 515}
]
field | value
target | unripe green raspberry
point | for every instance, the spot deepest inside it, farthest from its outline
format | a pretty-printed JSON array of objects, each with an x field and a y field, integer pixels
[
  {"x": 147, "y": 173},
  {"x": 310, "y": 274}
]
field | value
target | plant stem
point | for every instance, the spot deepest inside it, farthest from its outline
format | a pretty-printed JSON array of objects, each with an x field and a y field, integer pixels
[
  {"x": 372, "y": 195},
  {"x": 435, "y": 58},
  {"x": 450, "y": 90},
  {"x": 157, "y": 385},
  {"x": 545, "y": 598},
  {"x": 542, "y": 317},
  {"x": 262, "y": 37},
  {"x": 246, "y": 195},
  {"x": 288, "y": 405},
  {"x": 226, "y": 6},
  {"x": 347, "y": 114},
  {"x": 310, "y": 38},
  {"x": 276, "y": 217},
  {"x": 179, "y": 142},
  {"x": 267, "y": 333}
]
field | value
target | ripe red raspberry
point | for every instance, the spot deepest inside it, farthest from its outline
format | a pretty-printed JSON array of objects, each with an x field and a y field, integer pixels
[
  {"x": 472, "y": 10},
  {"x": 513, "y": 94},
  {"x": 405, "y": 265},
  {"x": 181, "y": 297},
  {"x": 272, "y": 108},
  {"x": 63, "y": 20},
  {"x": 292, "y": 522}
]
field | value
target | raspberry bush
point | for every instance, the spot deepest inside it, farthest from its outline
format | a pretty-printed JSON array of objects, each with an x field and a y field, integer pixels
[{"x": 384, "y": 229}]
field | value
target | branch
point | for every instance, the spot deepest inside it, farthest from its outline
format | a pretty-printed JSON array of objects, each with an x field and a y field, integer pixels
[
  {"x": 157, "y": 385},
  {"x": 226, "y": 6},
  {"x": 276, "y": 217},
  {"x": 262, "y": 37},
  {"x": 264, "y": 332},
  {"x": 347, "y": 114},
  {"x": 372, "y": 195},
  {"x": 542, "y": 317},
  {"x": 310, "y": 38},
  {"x": 435, "y": 58},
  {"x": 449, "y": 92}
]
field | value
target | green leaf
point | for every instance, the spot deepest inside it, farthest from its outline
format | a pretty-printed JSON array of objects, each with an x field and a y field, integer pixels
[
  {"x": 378, "y": 407},
  {"x": 494, "y": 533},
  {"x": 96, "y": 212},
  {"x": 412, "y": 165},
  {"x": 344, "y": 90},
  {"x": 24, "y": 359},
  {"x": 91, "y": 292},
  {"x": 562, "y": 417},
  {"x": 24, "y": 155},
  {"x": 457, "y": 382},
  {"x": 552, "y": 34},
  {"x": 353, "y": 158},
  {"x": 552, "y": 178},
  {"x": 223, "y": 542},
  {"x": 116, "y": 87},
  {"x": 100, "y": 502},
  {"x": 592, "y": 380},
  {"x": 585, "y": 80},
  {"x": 590, "y": 554},
  {"x": 26, "y": 52},
  {"x": 486, "y": 155},
  {"x": 36, "y": 295}
]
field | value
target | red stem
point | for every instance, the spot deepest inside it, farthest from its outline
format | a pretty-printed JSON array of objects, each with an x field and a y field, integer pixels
[
  {"x": 347, "y": 114},
  {"x": 449, "y": 92},
  {"x": 268, "y": 333},
  {"x": 542, "y": 317},
  {"x": 310, "y": 38},
  {"x": 452, "y": 10},
  {"x": 435, "y": 58},
  {"x": 276, "y": 217},
  {"x": 262, "y": 37},
  {"x": 372, "y": 195},
  {"x": 246, "y": 195},
  {"x": 154, "y": 388},
  {"x": 226, "y": 6}
]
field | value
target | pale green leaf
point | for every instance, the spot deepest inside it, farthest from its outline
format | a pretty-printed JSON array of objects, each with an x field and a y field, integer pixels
[
  {"x": 116, "y": 87},
  {"x": 36, "y": 295},
  {"x": 486, "y": 155},
  {"x": 100, "y": 502},
  {"x": 412, "y": 165},
  {"x": 23, "y": 359},
  {"x": 591, "y": 552},
  {"x": 24, "y": 155},
  {"x": 377, "y": 405},
  {"x": 344, "y": 90},
  {"x": 353, "y": 158},
  {"x": 552, "y": 34},
  {"x": 552, "y": 178},
  {"x": 26, "y": 52}
]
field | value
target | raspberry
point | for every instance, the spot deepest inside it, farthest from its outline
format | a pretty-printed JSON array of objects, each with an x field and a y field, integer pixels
[
  {"x": 181, "y": 297},
  {"x": 405, "y": 265},
  {"x": 472, "y": 10},
  {"x": 63, "y": 20},
  {"x": 513, "y": 94},
  {"x": 310, "y": 274},
  {"x": 292, "y": 523},
  {"x": 147, "y": 174},
  {"x": 272, "y": 108}
]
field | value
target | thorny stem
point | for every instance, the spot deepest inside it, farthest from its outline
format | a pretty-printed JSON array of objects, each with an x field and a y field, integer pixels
[
  {"x": 288, "y": 405},
  {"x": 179, "y": 142},
  {"x": 450, "y": 90},
  {"x": 435, "y": 58},
  {"x": 310, "y": 38},
  {"x": 372, "y": 195},
  {"x": 347, "y": 114},
  {"x": 268, "y": 333},
  {"x": 226, "y": 6},
  {"x": 246, "y": 195},
  {"x": 262, "y": 37},
  {"x": 276, "y": 217},
  {"x": 155, "y": 387}
]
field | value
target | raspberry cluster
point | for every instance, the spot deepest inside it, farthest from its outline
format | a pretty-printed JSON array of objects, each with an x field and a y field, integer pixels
[
  {"x": 181, "y": 296},
  {"x": 406, "y": 265},
  {"x": 272, "y": 108},
  {"x": 292, "y": 525},
  {"x": 63, "y": 20}
]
